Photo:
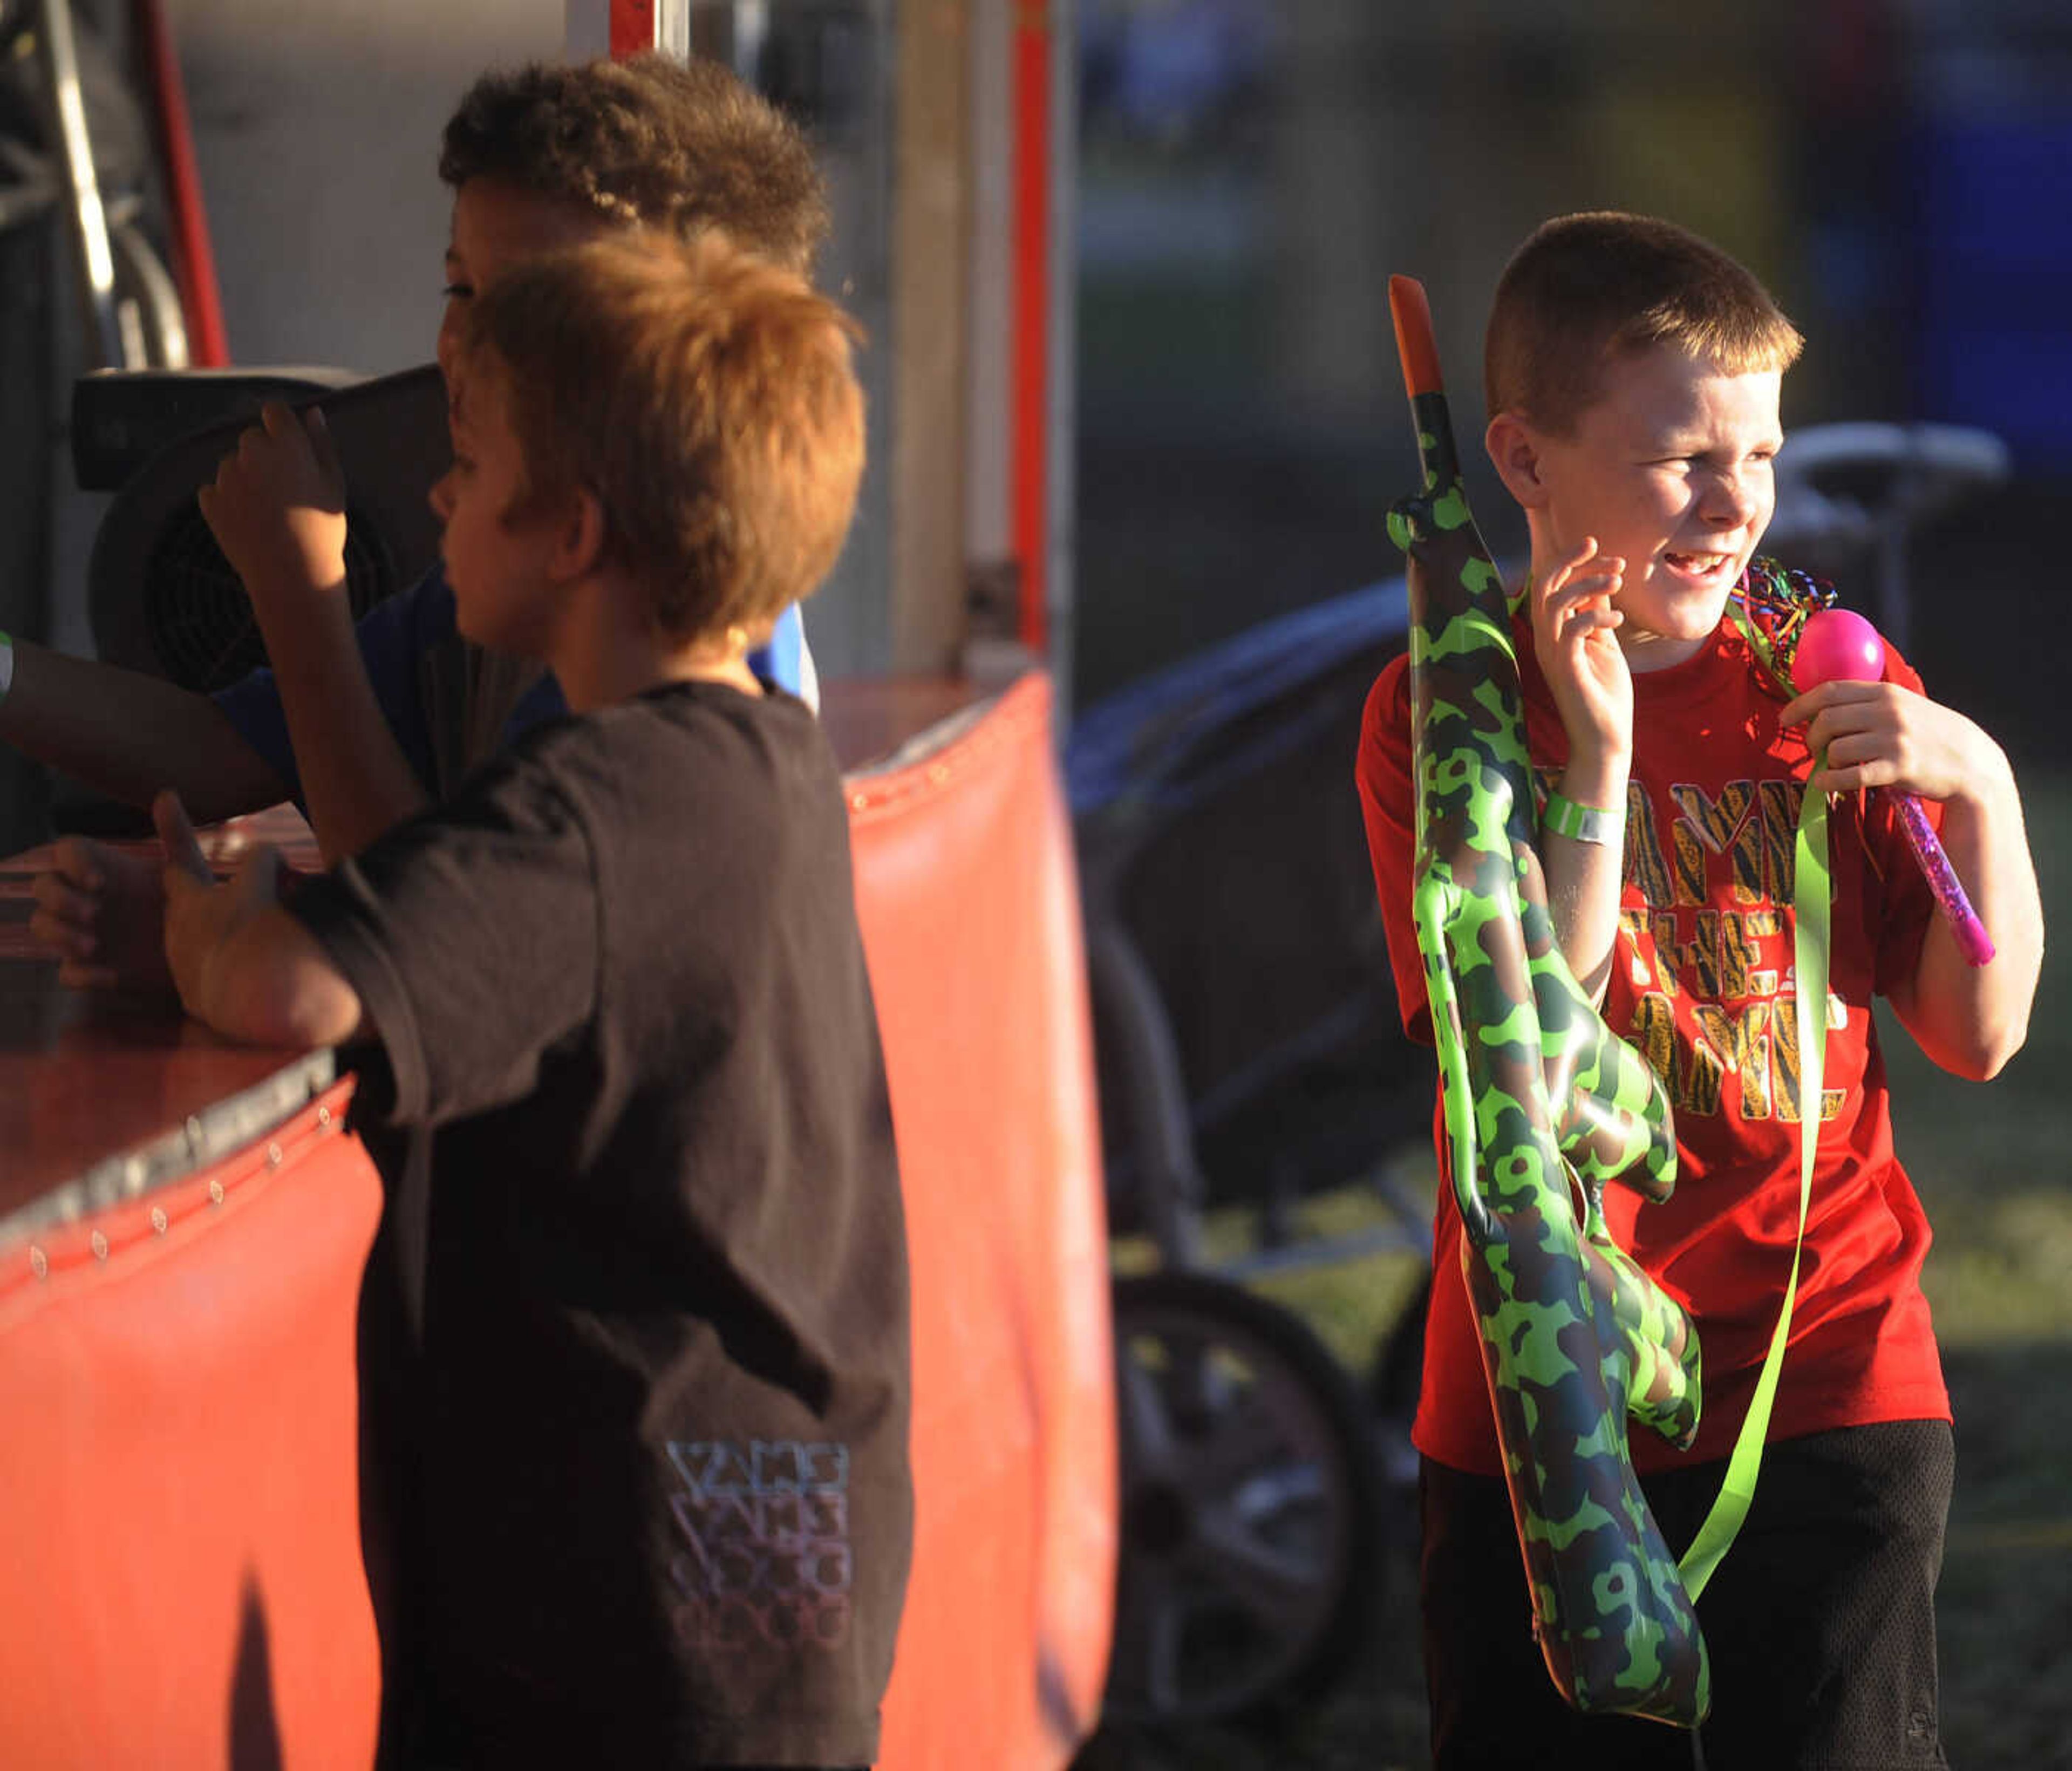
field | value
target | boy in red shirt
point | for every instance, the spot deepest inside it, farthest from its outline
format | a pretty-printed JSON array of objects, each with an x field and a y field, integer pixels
[{"x": 1633, "y": 376}]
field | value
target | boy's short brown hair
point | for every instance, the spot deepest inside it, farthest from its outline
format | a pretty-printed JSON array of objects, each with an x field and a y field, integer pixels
[
  {"x": 1586, "y": 288},
  {"x": 649, "y": 141},
  {"x": 704, "y": 396}
]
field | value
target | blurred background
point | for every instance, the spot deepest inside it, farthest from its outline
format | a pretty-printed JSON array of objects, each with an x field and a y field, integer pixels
[
  {"x": 1215, "y": 429},
  {"x": 1899, "y": 172},
  {"x": 1235, "y": 180}
]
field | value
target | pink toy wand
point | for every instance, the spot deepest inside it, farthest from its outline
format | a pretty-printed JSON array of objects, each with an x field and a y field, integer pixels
[{"x": 1838, "y": 645}]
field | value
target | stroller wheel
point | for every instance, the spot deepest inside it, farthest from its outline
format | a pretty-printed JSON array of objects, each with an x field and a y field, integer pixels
[{"x": 1250, "y": 1544}]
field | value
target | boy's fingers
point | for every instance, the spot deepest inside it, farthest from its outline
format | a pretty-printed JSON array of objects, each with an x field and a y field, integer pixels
[
  {"x": 1607, "y": 569},
  {"x": 77, "y": 861},
  {"x": 1816, "y": 700},
  {"x": 318, "y": 428},
  {"x": 58, "y": 935},
  {"x": 259, "y": 875},
  {"x": 54, "y": 895},
  {"x": 176, "y": 830}
]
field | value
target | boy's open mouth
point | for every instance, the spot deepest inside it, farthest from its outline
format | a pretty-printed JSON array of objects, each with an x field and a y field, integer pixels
[{"x": 1708, "y": 567}]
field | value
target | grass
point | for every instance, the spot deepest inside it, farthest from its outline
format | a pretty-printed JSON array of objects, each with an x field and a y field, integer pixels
[{"x": 1991, "y": 1163}]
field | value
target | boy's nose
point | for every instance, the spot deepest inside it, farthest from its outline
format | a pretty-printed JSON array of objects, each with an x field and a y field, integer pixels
[{"x": 1729, "y": 501}]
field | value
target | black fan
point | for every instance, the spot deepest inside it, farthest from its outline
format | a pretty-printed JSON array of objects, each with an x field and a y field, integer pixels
[
  {"x": 197, "y": 617},
  {"x": 161, "y": 597}
]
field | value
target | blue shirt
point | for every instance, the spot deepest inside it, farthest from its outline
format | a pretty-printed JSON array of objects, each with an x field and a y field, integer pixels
[{"x": 397, "y": 634}]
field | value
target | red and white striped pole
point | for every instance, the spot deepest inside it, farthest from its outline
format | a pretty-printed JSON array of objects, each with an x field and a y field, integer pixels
[{"x": 618, "y": 28}]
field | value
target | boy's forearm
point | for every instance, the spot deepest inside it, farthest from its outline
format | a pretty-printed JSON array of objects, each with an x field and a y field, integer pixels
[
  {"x": 356, "y": 782},
  {"x": 1584, "y": 879},
  {"x": 128, "y": 735},
  {"x": 1971, "y": 1019},
  {"x": 268, "y": 982}
]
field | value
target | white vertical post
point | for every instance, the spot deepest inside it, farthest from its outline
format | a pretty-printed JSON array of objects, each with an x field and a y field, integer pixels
[{"x": 1024, "y": 271}]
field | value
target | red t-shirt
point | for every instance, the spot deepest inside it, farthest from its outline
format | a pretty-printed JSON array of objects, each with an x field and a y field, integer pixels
[{"x": 1701, "y": 984}]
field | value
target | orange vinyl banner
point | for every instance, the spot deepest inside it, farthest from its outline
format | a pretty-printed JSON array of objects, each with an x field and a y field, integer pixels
[
  {"x": 969, "y": 903},
  {"x": 179, "y": 1537}
]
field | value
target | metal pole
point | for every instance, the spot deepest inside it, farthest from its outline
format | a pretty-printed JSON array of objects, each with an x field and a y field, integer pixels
[{"x": 58, "y": 50}]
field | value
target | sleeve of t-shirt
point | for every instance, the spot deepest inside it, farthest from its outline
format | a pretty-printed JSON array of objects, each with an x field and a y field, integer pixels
[
  {"x": 392, "y": 635},
  {"x": 1388, "y": 804},
  {"x": 470, "y": 936},
  {"x": 1902, "y": 903}
]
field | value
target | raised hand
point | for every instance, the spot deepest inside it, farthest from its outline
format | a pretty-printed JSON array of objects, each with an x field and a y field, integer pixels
[
  {"x": 1575, "y": 637},
  {"x": 276, "y": 507}
]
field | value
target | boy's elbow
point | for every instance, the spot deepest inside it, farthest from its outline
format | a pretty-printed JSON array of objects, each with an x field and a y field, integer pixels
[
  {"x": 285, "y": 993},
  {"x": 315, "y": 1007},
  {"x": 1995, "y": 1057},
  {"x": 1985, "y": 1052}
]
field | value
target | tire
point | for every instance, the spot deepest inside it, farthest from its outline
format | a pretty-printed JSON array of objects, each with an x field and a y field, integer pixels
[{"x": 1250, "y": 1560}]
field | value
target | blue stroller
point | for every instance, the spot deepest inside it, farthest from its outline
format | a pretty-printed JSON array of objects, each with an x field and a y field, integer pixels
[{"x": 1249, "y": 1052}]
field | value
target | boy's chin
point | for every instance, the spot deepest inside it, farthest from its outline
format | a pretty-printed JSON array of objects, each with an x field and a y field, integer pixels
[
  {"x": 1679, "y": 607},
  {"x": 1672, "y": 628}
]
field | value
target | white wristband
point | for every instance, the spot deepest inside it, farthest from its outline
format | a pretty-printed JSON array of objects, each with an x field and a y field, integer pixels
[
  {"x": 1583, "y": 823},
  {"x": 6, "y": 665}
]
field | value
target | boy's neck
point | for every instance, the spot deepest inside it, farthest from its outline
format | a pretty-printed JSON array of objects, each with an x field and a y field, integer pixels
[{"x": 606, "y": 651}]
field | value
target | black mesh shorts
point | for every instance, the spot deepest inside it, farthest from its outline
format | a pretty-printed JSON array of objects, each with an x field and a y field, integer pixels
[{"x": 1820, "y": 1622}]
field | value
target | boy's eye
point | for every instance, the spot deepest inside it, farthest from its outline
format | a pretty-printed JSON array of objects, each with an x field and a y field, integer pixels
[{"x": 458, "y": 292}]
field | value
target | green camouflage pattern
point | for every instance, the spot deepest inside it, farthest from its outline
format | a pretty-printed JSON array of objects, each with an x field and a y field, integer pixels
[{"x": 1542, "y": 1104}]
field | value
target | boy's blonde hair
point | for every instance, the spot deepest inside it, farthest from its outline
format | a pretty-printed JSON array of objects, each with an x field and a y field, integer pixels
[
  {"x": 705, "y": 398},
  {"x": 1584, "y": 290}
]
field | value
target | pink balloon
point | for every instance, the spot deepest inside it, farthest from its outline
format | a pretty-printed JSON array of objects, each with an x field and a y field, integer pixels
[{"x": 1838, "y": 646}]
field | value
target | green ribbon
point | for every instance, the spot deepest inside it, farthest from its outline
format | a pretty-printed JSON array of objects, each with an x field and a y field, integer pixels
[{"x": 1810, "y": 902}]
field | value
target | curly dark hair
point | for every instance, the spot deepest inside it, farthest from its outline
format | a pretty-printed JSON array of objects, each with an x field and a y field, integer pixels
[{"x": 650, "y": 141}]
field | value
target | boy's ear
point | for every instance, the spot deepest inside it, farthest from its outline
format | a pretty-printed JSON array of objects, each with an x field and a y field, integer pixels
[
  {"x": 1514, "y": 452},
  {"x": 579, "y": 535}
]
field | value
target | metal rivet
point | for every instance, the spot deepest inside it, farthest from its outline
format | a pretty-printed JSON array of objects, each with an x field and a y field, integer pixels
[
  {"x": 323, "y": 1115},
  {"x": 216, "y": 1192},
  {"x": 939, "y": 773},
  {"x": 40, "y": 1263},
  {"x": 158, "y": 1219},
  {"x": 272, "y": 1155},
  {"x": 858, "y": 801},
  {"x": 99, "y": 1243}
]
